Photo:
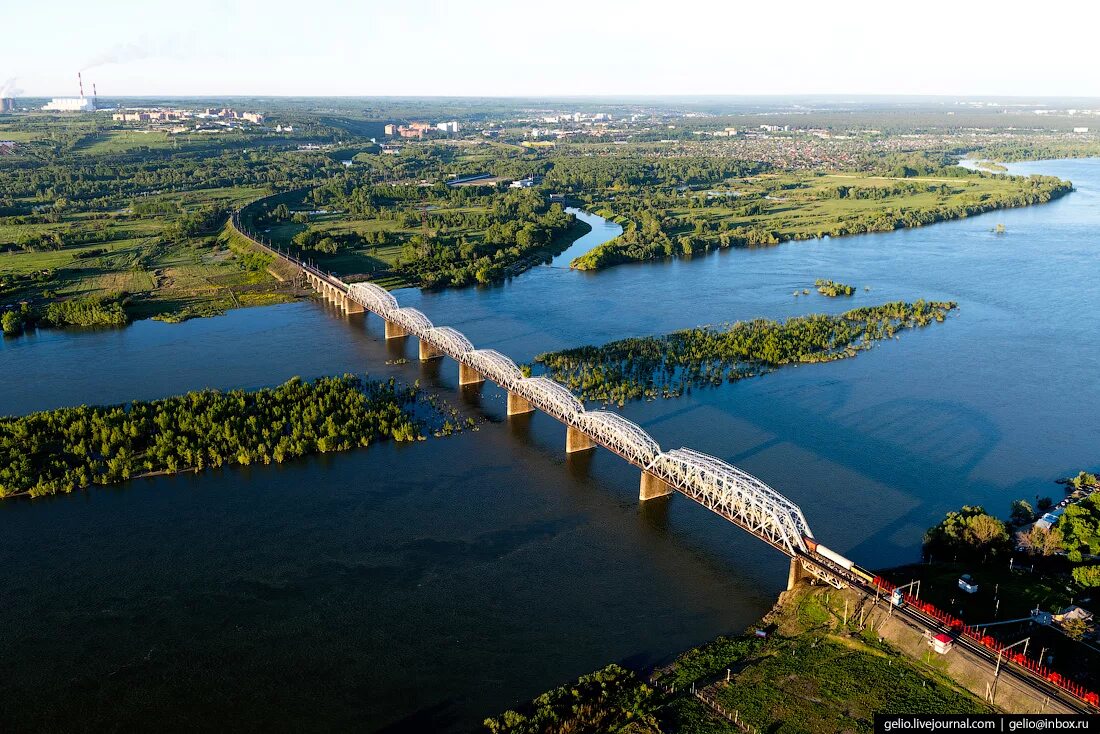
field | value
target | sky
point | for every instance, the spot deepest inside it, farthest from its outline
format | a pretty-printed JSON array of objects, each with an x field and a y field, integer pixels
[{"x": 552, "y": 47}]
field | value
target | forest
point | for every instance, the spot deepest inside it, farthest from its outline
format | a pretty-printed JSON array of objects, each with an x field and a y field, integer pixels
[
  {"x": 672, "y": 365},
  {"x": 438, "y": 235},
  {"x": 69, "y": 449}
]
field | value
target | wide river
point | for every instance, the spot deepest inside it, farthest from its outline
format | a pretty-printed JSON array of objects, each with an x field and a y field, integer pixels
[{"x": 422, "y": 587}]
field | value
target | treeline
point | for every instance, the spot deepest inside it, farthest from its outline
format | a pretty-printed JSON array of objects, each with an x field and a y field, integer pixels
[
  {"x": 85, "y": 311},
  {"x": 610, "y": 700},
  {"x": 81, "y": 183},
  {"x": 72, "y": 448},
  {"x": 1068, "y": 541},
  {"x": 670, "y": 365}
]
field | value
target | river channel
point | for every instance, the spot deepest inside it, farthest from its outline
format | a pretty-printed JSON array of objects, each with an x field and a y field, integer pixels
[{"x": 422, "y": 587}]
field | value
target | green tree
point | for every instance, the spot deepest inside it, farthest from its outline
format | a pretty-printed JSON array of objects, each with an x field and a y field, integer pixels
[{"x": 1087, "y": 576}]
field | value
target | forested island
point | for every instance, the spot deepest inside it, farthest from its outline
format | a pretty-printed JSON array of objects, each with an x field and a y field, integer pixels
[
  {"x": 832, "y": 289},
  {"x": 68, "y": 449},
  {"x": 667, "y": 366}
]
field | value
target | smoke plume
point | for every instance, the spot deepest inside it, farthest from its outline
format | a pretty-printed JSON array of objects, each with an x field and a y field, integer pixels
[
  {"x": 8, "y": 88},
  {"x": 120, "y": 53}
]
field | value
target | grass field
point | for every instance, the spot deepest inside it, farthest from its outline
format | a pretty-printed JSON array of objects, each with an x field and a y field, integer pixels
[
  {"x": 166, "y": 278},
  {"x": 804, "y": 205}
]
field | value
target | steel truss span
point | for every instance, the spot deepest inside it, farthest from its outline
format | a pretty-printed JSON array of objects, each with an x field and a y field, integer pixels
[
  {"x": 411, "y": 320},
  {"x": 624, "y": 437},
  {"x": 492, "y": 364},
  {"x": 730, "y": 492},
  {"x": 451, "y": 341},
  {"x": 551, "y": 397},
  {"x": 377, "y": 299}
]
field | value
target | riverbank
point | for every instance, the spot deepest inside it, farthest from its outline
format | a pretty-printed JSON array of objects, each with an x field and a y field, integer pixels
[
  {"x": 815, "y": 663},
  {"x": 770, "y": 209}
]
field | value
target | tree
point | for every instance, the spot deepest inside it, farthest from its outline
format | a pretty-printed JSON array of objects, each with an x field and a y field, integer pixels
[
  {"x": 1022, "y": 513},
  {"x": 1087, "y": 576},
  {"x": 1041, "y": 542},
  {"x": 970, "y": 532},
  {"x": 1075, "y": 628},
  {"x": 11, "y": 323}
]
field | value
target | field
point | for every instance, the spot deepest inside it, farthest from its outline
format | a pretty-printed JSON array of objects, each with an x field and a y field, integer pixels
[{"x": 166, "y": 278}]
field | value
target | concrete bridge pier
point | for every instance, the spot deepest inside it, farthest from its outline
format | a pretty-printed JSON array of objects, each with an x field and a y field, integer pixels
[
  {"x": 652, "y": 486},
  {"x": 797, "y": 574},
  {"x": 468, "y": 375},
  {"x": 393, "y": 331},
  {"x": 518, "y": 405},
  {"x": 577, "y": 440},
  {"x": 353, "y": 306},
  {"x": 427, "y": 351}
]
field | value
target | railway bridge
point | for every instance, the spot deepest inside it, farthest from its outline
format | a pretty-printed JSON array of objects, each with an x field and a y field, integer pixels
[
  {"x": 726, "y": 490},
  {"x": 722, "y": 488}
]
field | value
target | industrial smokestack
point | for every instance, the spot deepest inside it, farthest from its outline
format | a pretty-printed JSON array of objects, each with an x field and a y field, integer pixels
[
  {"x": 95, "y": 95},
  {"x": 80, "y": 81}
]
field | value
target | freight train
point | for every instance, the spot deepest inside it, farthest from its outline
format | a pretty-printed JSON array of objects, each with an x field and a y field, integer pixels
[{"x": 836, "y": 559}]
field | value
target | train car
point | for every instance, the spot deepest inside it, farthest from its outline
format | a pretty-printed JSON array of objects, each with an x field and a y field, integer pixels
[
  {"x": 818, "y": 549},
  {"x": 834, "y": 557}
]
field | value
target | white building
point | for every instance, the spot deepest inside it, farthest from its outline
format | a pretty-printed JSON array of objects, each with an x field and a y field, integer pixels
[
  {"x": 447, "y": 127},
  {"x": 1080, "y": 129},
  {"x": 70, "y": 104}
]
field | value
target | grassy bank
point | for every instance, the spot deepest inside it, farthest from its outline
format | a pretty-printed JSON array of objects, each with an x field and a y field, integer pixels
[{"x": 815, "y": 672}]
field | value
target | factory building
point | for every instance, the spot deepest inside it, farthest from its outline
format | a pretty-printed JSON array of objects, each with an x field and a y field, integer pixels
[
  {"x": 70, "y": 104},
  {"x": 73, "y": 104}
]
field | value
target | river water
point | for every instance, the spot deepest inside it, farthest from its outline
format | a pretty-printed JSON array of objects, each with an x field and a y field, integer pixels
[{"x": 423, "y": 587}]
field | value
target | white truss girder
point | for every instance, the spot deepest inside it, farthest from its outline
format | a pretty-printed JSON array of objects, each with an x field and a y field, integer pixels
[
  {"x": 452, "y": 341},
  {"x": 373, "y": 298},
  {"x": 411, "y": 320},
  {"x": 622, "y": 436},
  {"x": 496, "y": 366},
  {"x": 735, "y": 494},
  {"x": 551, "y": 397}
]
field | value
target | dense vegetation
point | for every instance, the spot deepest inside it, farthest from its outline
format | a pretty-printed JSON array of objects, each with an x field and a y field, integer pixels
[
  {"x": 430, "y": 236},
  {"x": 832, "y": 289},
  {"x": 72, "y": 448},
  {"x": 609, "y": 700},
  {"x": 774, "y": 208},
  {"x": 667, "y": 366}
]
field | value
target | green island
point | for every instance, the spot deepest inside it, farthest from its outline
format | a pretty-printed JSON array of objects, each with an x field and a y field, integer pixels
[
  {"x": 832, "y": 289},
  {"x": 670, "y": 365},
  {"x": 816, "y": 671},
  {"x": 68, "y": 449}
]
